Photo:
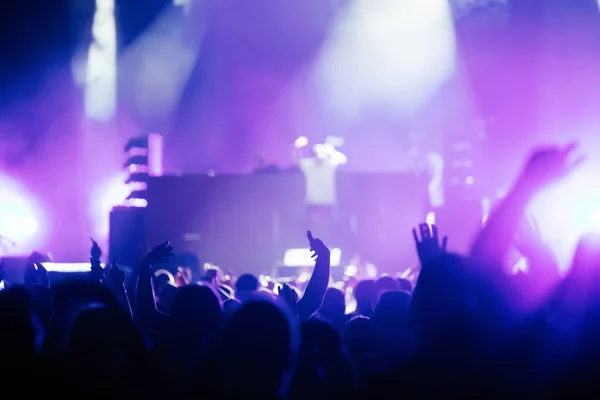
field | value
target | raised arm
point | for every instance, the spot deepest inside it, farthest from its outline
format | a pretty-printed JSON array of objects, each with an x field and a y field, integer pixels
[
  {"x": 317, "y": 285},
  {"x": 299, "y": 151},
  {"x": 146, "y": 311},
  {"x": 115, "y": 279},
  {"x": 545, "y": 167}
]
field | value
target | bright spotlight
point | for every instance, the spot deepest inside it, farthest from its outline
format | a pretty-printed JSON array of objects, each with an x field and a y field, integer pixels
[
  {"x": 395, "y": 53},
  {"x": 19, "y": 216},
  {"x": 101, "y": 75},
  {"x": 567, "y": 211}
]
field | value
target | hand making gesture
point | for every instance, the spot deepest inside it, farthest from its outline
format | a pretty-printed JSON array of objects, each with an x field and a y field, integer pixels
[
  {"x": 548, "y": 165},
  {"x": 290, "y": 297},
  {"x": 95, "y": 254},
  {"x": 115, "y": 276},
  {"x": 320, "y": 251},
  {"x": 159, "y": 254},
  {"x": 429, "y": 246}
]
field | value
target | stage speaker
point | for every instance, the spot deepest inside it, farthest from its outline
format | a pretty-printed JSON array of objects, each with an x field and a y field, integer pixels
[{"x": 127, "y": 237}]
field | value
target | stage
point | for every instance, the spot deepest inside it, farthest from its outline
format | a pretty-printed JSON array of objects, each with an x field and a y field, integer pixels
[{"x": 244, "y": 223}]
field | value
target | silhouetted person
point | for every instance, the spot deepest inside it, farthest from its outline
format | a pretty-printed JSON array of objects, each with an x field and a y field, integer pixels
[
  {"x": 404, "y": 284},
  {"x": 105, "y": 353},
  {"x": 246, "y": 285},
  {"x": 195, "y": 320},
  {"x": 333, "y": 309},
  {"x": 385, "y": 284},
  {"x": 365, "y": 294},
  {"x": 391, "y": 341},
  {"x": 356, "y": 339},
  {"x": 17, "y": 334},
  {"x": 256, "y": 351},
  {"x": 324, "y": 370}
]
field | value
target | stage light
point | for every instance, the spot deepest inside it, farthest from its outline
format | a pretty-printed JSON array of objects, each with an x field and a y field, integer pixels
[
  {"x": 397, "y": 54},
  {"x": 28, "y": 226},
  {"x": 568, "y": 210},
  {"x": 68, "y": 267},
  {"x": 101, "y": 76},
  {"x": 19, "y": 217},
  {"x": 145, "y": 159},
  {"x": 303, "y": 258}
]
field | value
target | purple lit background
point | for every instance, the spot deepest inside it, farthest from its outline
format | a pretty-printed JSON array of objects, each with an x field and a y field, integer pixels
[{"x": 250, "y": 81}]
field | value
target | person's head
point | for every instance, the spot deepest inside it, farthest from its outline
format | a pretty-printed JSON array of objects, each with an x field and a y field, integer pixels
[
  {"x": 385, "y": 284},
  {"x": 392, "y": 310},
  {"x": 246, "y": 283},
  {"x": 365, "y": 294},
  {"x": 257, "y": 343},
  {"x": 334, "y": 303},
  {"x": 389, "y": 332},
  {"x": 324, "y": 369},
  {"x": 212, "y": 273},
  {"x": 104, "y": 346},
  {"x": 404, "y": 284},
  {"x": 356, "y": 336},
  {"x": 96, "y": 329},
  {"x": 196, "y": 311}
]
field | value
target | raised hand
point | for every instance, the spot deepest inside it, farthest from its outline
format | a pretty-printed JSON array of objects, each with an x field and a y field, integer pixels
[
  {"x": 95, "y": 251},
  {"x": 429, "y": 246},
  {"x": 95, "y": 254},
  {"x": 290, "y": 297},
  {"x": 320, "y": 251},
  {"x": 159, "y": 254},
  {"x": 115, "y": 275},
  {"x": 548, "y": 165}
]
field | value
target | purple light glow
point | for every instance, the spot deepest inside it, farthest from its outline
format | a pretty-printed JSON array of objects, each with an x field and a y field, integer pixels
[
  {"x": 19, "y": 216},
  {"x": 112, "y": 192},
  {"x": 567, "y": 211}
]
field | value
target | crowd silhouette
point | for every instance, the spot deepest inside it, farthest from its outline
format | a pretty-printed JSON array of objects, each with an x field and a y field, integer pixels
[{"x": 470, "y": 328}]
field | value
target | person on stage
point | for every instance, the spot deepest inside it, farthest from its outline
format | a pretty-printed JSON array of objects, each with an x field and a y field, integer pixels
[{"x": 319, "y": 168}]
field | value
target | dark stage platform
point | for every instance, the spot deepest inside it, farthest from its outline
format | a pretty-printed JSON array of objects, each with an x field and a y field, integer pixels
[{"x": 244, "y": 223}]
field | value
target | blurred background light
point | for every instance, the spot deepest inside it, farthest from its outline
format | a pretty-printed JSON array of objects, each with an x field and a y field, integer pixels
[
  {"x": 568, "y": 210},
  {"x": 101, "y": 74},
  {"x": 20, "y": 218},
  {"x": 106, "y": 195},
  {"x": 68, "y": 267},
  {"x": 387, "y": 54}
]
